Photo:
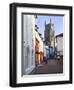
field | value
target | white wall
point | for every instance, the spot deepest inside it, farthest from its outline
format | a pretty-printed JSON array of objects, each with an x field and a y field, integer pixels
[
  {"x": 28, "y": 60},
  {"x": 59, "y": 43},
  {"x": 4, "y": 44}
]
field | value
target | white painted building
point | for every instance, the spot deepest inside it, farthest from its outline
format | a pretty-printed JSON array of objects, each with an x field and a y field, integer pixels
[
  {"x": 28, "y": 62},
  {"x": 59, "y": 44}
]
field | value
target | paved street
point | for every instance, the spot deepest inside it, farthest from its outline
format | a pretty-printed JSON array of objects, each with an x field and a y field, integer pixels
[{"x": 52, "y": 67}]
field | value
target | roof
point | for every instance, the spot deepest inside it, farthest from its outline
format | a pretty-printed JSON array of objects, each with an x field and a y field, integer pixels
[{"x": 59, "y": 35}]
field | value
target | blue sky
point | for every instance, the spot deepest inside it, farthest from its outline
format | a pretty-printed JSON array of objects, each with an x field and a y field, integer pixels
[{"x": 56, "y": 20}]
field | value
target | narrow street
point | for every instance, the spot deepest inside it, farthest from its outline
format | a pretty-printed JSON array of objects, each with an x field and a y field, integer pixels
[{"x": 52, "y": 67}]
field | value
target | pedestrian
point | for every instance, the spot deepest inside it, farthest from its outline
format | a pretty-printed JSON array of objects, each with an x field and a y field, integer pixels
[{"x": 45, "y": 60}]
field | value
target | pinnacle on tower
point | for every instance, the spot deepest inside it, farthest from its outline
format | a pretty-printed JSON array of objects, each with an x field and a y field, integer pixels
[
  {"x": 45, "y": 22},
  {"x": 50, "y": 20}
]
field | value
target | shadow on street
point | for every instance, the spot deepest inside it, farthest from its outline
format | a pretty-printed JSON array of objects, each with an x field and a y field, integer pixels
[{"x": 52, "y": 67}]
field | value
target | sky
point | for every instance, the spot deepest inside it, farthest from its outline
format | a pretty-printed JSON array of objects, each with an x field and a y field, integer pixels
[{"x": 56, "y": 20}]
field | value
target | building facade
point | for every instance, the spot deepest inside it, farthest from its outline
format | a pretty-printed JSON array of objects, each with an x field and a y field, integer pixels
[
  {"x": 59, "y": 44},
  {"x": 28, "y": 44},
  {"x": 32, "y": 45},
  {"x": 39, "y": 53}
]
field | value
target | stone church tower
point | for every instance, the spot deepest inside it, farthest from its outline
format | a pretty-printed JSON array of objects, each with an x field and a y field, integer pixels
[{"x": 49, "y": 34}]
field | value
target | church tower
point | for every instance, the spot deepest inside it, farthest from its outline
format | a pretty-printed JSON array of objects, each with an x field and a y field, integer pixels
[{"x": 49, "y": 34}]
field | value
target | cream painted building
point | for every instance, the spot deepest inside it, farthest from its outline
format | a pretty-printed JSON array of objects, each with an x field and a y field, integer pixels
[
  {"x": 40, "y": 40},
  {"x": 41, "y": 50}
]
